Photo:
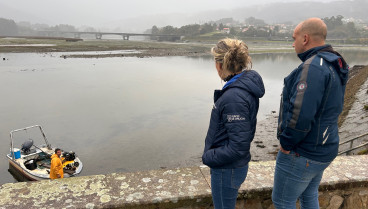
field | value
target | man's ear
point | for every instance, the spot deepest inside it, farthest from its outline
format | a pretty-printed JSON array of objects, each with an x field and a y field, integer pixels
[{"x": 306, "y": 39}]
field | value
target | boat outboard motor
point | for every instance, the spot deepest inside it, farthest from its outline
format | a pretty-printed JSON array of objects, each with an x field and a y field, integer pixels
[
  {"x": 69, "y": 156},
  {"x": 65, "y": 154},
  {"x": 26, "y": 146},
  {"x": 30, "y": 164}
]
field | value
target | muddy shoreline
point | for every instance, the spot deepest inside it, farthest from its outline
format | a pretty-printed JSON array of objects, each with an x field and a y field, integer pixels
[
  {"x": 144, "y": 48},
  {"x": 143, "y": 54}
]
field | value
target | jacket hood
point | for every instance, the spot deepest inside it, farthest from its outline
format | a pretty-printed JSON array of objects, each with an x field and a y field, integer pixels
[
  {"x": 332, "y": 56},
  {"x": 250, "y": 81},
  {"x": 309, "y": 53}
]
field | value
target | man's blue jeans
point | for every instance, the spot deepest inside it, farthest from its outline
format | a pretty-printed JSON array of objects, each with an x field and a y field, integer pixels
[
  {"x": 296, "y": 177},
  {"x": 225, "y": 184}
]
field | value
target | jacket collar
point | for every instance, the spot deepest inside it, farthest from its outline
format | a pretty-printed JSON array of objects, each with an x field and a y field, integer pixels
[
  {"x": 309, "y": 53},
  {"x": 232, "y": 80},
  {"x": 219, "y": 93}
]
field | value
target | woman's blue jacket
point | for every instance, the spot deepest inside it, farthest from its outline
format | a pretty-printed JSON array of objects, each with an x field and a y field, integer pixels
[{"x": 233, "y": 121}]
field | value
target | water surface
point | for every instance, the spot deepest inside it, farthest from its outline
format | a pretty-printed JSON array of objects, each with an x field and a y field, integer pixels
[{"x": 123, "y": 114}]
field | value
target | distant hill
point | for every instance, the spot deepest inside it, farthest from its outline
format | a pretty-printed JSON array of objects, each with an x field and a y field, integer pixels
[
  {"x": 295, "y": 12},
  {"x": 17, "y": 15},
  {"x": 277, "y": 12}
]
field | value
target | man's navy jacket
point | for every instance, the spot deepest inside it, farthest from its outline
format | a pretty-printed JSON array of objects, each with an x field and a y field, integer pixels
[
  {"x": 233, "y": 122},
  {"x": 312, "y": 100}
]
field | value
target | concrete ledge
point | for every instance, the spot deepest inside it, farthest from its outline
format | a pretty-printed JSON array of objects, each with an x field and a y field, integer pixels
[
  {"x": 184, "y": 186},
  {"x": 175, "y": 188}
]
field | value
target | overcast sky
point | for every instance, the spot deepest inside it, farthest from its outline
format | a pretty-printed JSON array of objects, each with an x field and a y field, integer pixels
[{"x": 97, "y": 12}]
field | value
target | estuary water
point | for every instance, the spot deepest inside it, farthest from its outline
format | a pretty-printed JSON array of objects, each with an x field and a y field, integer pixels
[{"x": 123, "y": 114}]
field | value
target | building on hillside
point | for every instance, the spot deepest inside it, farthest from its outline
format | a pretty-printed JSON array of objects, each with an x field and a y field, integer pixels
[{"x": 226, "y": 30}]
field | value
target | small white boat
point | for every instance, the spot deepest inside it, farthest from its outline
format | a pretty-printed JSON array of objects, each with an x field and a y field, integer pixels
[{"x": 33, "y": 162}]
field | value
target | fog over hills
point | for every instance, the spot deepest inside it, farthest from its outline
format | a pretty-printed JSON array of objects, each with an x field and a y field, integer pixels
[
  {"x": 281, "y": 12},
  {"x": 276, "y": 12},
  {"x": 19, "y": 15}
]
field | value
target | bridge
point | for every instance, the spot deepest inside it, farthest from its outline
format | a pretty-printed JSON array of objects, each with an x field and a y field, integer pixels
[{"x": 98, "y": 35}]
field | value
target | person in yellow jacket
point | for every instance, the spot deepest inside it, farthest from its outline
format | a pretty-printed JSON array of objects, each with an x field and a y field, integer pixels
[{"x": 56, "y": 170}]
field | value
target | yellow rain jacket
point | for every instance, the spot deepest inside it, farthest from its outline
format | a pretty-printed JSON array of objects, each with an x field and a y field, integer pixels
[{"x": 56, "y": 167}]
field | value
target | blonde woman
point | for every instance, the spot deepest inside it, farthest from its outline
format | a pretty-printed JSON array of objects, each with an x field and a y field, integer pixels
[{"x": 233, "y": 121}]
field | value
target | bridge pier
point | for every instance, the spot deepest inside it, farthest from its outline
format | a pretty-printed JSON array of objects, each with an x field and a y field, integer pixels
[
  {"x": 125, "y": 37},
  {"x": 98, "y": 35},
  {"x": 77, "y": 35}
]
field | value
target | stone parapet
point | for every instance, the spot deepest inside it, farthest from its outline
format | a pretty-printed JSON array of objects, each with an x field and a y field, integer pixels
[{"x": 345, "y": 182}]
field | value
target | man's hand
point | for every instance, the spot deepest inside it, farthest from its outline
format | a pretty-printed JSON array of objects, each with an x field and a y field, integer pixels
[
  {"x": 284, "y": 151},
  {"x": 58, "y": 175}
]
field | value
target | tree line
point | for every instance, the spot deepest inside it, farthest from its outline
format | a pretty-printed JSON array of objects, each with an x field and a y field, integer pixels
[
  {"x": 250, "y": 27},
  {"x": 253, "y": 27},
  {"x": 9, "y": 27},
  {"x": 231, "y": 26},
  {"x": 338, "y": 29}
]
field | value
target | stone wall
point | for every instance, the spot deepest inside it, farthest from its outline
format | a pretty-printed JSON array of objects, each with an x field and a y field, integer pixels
[
  {"x": 353, "y": 198},
  {"x": 344, "y": 185}
]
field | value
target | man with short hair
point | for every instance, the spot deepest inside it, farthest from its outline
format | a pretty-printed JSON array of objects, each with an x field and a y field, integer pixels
[
  {"x": 312, "y": 100},
  {"x": 56, "y": 170}
]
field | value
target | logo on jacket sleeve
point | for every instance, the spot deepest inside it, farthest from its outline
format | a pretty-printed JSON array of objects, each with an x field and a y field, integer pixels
[
  {"x": 302, "y": 86},
  {"x": 231, "y": 118},
  {"x": 340, "y": 63}
]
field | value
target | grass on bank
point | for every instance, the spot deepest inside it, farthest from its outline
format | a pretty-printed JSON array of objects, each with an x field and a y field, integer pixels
[{"x": 363, "y": 152}]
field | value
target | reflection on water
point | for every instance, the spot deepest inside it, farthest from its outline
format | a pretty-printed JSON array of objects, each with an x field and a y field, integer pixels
[
  {"x": 17, "y": 176},
  {"x": 124, "y": 114}
]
